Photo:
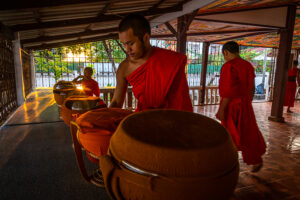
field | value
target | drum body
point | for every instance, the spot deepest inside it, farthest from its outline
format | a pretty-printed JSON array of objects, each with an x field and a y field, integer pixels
[
  {"x": 79, "y": 104},
  {"x": 168, "y": 154}
]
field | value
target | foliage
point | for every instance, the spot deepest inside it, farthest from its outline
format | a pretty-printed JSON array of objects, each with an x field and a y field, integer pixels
[{"x": 52, "y": 61}]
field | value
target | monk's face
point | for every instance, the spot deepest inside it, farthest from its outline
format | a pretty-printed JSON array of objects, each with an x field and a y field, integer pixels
[
  {"x": 226, "y": 55},
  {"x": 87, "y": 73},
  {"x": 134, "y": 47}
]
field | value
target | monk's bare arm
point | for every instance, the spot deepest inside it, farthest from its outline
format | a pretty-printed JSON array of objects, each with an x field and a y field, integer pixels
[
  {"x": 223, "y": 106},
  {"x": 75, "y": 80},
  {"x": 121, "y": 88}
]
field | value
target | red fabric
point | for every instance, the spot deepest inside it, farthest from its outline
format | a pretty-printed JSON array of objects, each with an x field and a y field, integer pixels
[
  {"x": 290, "y": 91},
  {"x": 236, "y": 81},
  {"x": 161, "y": 82},
  {"x": 91, "y": 87}
]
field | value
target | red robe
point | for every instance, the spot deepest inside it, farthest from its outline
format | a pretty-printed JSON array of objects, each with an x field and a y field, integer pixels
[
  {"x": 91, "y": 87},
  {"x": 161, "y": 82},
  {"x": 236, "y": 81},
  {"x": 290, "y": 91}
]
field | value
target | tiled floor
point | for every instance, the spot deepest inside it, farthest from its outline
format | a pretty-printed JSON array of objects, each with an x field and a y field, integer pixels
[
  {"x": 280, "y": 176},
  {"x": 279, "y": 179}
]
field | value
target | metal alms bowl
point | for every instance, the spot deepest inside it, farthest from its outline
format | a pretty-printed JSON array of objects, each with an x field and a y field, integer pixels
[
  {"x": 64, "y": 85},
  {"x": 83, "y": 104}
]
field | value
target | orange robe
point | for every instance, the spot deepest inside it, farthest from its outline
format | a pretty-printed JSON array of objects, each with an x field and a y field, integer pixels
[
  {"x": 91, "y": 87},
  {"x": 161, "y": 82},
  {"x": 97, "y": 127},
  {"x": 236, "y": 81},
  {"x": 290, "y": 91}
]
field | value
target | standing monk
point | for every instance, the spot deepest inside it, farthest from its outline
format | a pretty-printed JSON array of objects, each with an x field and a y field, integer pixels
[
  {"x": 90, "y": 86},
  {"x": 156, "y": 75},
  {"x": 235, "y": 111},
  {"x": 291, "y": 85}
]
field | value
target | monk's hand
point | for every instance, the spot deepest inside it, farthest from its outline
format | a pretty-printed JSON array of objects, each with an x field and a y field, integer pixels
[{"x": 220, "y": 115}]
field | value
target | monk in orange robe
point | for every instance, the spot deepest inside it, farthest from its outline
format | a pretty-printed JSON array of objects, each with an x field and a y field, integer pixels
[
  {"x": 291, "y": 85},
  {"x": 156, "y": 75},
  {"x": 90, "y": 86},
  {"x": 236, "y": 113}
]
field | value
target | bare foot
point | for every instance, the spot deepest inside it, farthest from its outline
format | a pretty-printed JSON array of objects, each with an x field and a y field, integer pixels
[{"x": 256, "y": 167}]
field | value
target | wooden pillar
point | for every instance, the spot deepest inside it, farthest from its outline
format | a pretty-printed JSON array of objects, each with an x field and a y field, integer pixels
[
  {"x": 18, "y": 70},
  {"x": 32, "y": 66},
  {"x": 286, "y": 37},
  {"x": 203, "y": 71},
  {"x": 181, "y": 35}
]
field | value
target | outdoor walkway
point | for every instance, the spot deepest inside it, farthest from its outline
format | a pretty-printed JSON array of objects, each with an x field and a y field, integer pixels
[{"x": 37, "y": 160}]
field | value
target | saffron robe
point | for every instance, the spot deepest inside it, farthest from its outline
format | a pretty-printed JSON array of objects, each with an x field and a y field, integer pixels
[
  {"x": 160, "y": 83},
  {"x": 291, "y": 85},
  {"x": 96, "y": 129},
  {"x": 236, "y": 81},
  {"x": 91, "y": 87}
]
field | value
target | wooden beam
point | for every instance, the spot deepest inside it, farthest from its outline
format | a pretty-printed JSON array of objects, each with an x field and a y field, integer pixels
[
  {"x": 105, "y": 9},
  {"x": 157, "y": 4},
  {"x": 170, "y": 27},
  {"x": 189, "y": 18},
  {"x": 37, "y": 15},
  {"x": 181, "y": 36},
  {"x": 214, "y": 32},
  {"x": 73, "y": 42},
  {"x": 238, "y": 23},
  {"x": 73, "y": 35},
  {"x": 241, "y": 36},
  {"x": 283, "y": 59},
  {"x": 85, "y": 21},
  {"x": 30, "y": 4}
]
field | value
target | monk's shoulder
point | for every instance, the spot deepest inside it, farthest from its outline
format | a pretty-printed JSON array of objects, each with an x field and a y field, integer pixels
[{"x": 123, "y": 68}]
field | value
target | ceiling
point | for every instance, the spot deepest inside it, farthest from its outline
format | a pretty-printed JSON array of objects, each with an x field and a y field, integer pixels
[
  {"x": 206, "y": 29},
  {"x": 48, "y": 24}
]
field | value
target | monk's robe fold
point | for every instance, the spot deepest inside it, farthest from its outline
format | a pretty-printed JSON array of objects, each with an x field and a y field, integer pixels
[
  {"x": 236, "y": 81},
  {"x": 97, "y": 127},
  {"x": 291, "y": 86},
  {"x": 161, "y": 82}
]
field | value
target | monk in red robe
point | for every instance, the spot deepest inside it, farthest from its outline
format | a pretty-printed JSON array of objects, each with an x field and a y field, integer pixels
[
  {"x": 90, "y": 86},
  {"x": 291, "y": 85},
  {"x": 236, "y": 112},
  {"x": 156, "y": 75}
]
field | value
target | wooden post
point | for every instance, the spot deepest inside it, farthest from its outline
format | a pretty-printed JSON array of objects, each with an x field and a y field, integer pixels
[
  {"x": 203, "y": 71},
  {"x": 181, "y": 35},
  {"x": 286, "y": 37}
]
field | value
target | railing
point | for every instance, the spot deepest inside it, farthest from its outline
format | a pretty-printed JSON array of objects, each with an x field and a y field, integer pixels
[{"x": 211, "y": 96}]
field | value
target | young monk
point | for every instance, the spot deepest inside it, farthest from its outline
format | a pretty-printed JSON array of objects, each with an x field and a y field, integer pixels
[
  {"x": 156, "y": 75},
  {"x": 236, "y": 113},
  {"x": 291, "y": 85},
  {"x": 90, "y": 86}
]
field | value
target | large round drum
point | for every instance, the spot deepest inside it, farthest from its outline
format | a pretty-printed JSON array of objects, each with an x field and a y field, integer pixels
[
  {"x": 168, "y": 154},
  {"x": 62, "y": 90},
  {"x": 79, "y": 104}
]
